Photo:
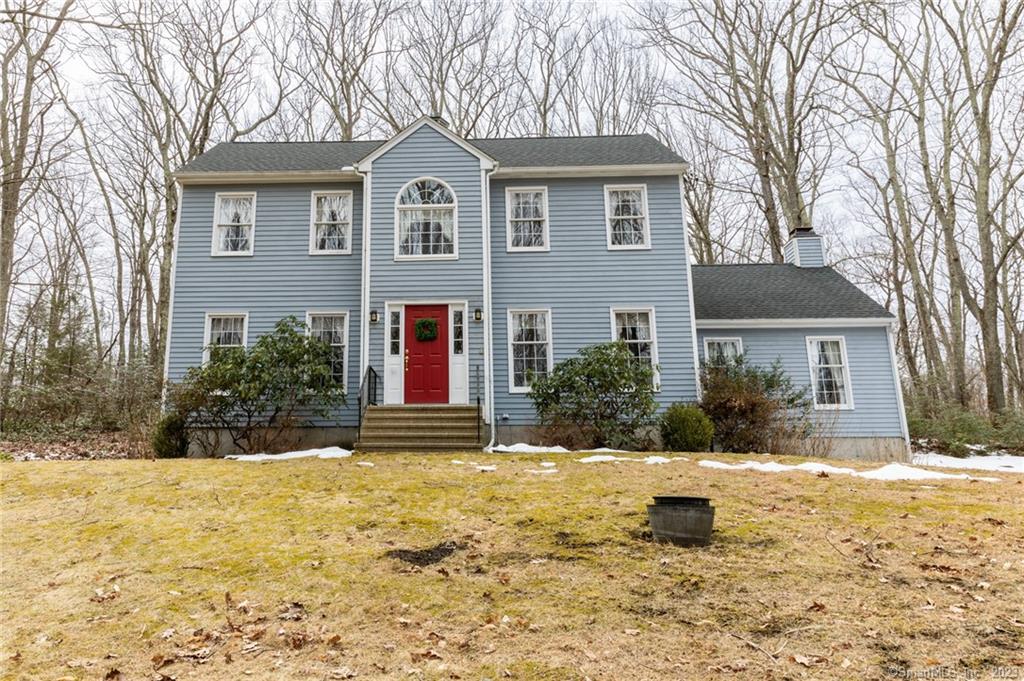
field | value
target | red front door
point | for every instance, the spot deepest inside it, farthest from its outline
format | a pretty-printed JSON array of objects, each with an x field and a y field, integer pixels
[{"x": 426, "y": 361}]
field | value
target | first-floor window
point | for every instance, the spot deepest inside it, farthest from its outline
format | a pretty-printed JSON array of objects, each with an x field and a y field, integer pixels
[
  {"x": 233, "y": 224},
  {"x": 829, "y": 372},
  {"x": 530, "y": 347},
  {"x": 635, "y": 328},
  {"x": 331, "y": 329},
  {"x": 224, "y": 331},
  {"x": 722, "y": 351},
  {"x": 332, "y": 222}
]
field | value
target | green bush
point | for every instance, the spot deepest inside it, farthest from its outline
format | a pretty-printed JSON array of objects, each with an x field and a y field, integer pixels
[
  {"x": 953, "y": 428},
  {"x": 602, "y": 397},
  {"x": 754, "y": 409},
  {"x": 258, "y": 395},
  {"x": 170, "y": 437},
  {"x": 685, "y": 428}
]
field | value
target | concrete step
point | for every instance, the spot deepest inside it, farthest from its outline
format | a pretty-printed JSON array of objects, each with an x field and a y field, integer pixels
[{"x": 365, "y": 447}]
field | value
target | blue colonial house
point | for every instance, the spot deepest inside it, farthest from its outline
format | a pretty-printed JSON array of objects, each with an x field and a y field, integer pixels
[{"x": 512, "y": 254}]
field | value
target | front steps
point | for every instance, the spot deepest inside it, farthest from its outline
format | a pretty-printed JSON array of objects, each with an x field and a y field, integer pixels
[{"x": 419, "y": 428}]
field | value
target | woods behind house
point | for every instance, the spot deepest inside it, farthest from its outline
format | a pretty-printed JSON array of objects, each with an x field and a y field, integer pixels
[{"x": 893, "y": 129}]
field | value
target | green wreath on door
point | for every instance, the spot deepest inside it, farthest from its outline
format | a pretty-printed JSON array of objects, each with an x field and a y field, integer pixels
[{"x": 426, "y": 329}]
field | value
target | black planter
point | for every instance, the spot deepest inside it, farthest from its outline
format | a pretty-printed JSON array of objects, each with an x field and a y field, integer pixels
[{"x": 684, "y": 521}]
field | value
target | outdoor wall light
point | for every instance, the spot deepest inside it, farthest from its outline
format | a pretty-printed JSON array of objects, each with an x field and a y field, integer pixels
[
  {"x": 374, "y": 317},
  {"x": 478, "y": 315}
]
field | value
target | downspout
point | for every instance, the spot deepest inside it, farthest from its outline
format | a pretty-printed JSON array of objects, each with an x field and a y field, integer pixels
[
  {"x": 364, "y": 293},
  {"x": 485, "y": 201},
  {"x": 897, "y": 383}
]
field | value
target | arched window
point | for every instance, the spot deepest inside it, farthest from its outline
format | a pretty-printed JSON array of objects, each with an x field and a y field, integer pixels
[{"x": 426, "y": 220}]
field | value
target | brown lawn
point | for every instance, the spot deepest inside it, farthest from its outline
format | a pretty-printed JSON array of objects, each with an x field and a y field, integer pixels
[{"x": 228, "y": 570}]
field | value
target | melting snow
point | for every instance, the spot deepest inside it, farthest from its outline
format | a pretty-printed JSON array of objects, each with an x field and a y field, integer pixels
[
  {"x": 485, "y": 469},
  {"x": 892, "y": 471},
  {"x": 322, "y": 453},
  {"x": 523, "y": 448},
  {"x": 367, "y": 464},
  {"x": 1003, "y": 463},
  {"x": 543, "y": 471}
]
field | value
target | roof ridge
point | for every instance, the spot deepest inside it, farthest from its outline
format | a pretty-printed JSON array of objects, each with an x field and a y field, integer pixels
[{"x": 468, "y": 139}]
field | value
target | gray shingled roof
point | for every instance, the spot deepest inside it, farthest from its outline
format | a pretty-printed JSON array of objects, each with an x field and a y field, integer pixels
[
  {"x": 522, "y": 152},
  {"x": 778, "y": 292}
]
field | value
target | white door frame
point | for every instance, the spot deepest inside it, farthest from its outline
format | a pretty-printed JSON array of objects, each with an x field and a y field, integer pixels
[{"x": 393, "y": 374}]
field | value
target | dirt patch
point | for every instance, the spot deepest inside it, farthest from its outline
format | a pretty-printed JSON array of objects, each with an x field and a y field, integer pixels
[{"x": 425, "y": 557}]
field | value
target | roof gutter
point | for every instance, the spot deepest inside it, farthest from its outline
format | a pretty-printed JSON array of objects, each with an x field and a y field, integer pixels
[
  {"x": 794, "y": 323},
  {"x": 592, "y": 170},
  {"x": 346, "y": 173}
]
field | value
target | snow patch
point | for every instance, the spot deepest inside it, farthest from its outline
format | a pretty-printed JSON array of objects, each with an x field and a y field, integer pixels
[
  {"x": 322, "y": 453},
  {"x": 1002, "y": 463},
  {"x": 486, "y": 469},
  {"x": 604, "y": 458},
  {"x": 548, "y": 464},
  {"x": 542, "y": 471},
  {"x": 366, "y": 464},
  {"x": 892, "y": 471},
  {"x": 523, "y": 448},
  {"x": 599, "y": 458}
]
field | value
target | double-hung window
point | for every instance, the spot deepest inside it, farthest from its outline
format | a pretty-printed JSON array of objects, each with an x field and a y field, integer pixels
[
  {"x": 830, "y": 373},
  {"x": 527, "y": 213},
  {"x": 529, "y": 347},
  {"x": 330, "y": 231},
  {"x": 234, "y": 223},
  {"x": 635, "y": 328},
  {"x": 332, "y": 328},
  {"x": 722, "y": 351},
  {"x": 224, "y": 330},
  {"x": 426, "y": 221},
  {"x": 626, "y": 217}
]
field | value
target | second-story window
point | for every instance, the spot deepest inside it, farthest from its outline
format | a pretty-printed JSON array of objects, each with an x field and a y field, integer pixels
[
  {"x": 233, "y": 224},
  {"x": 331, "y": 227},
  {"x": 527, "y": 218},
  {"x": 426, "y": 221},
  {"x": 626, "y": 215}
]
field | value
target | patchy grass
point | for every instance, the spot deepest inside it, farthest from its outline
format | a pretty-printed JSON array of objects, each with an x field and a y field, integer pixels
[{"x": 318, "y": 569}]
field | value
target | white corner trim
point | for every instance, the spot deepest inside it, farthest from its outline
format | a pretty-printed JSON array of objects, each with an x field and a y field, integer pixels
[
  {"x": 810, "y": 342},
  {"x": 546, "y": 311},
  {"x": 223, "y": 313},
  {"x": 485, "y": 192},
  {"x": 215, "y": 242},
  {"x": 509, "y": 191},
  {"x": 649, "y": 309},
  {"x": 347, "y": 193},
  {"x": 333, "y": 313},
  {"x": 608, "y": 189},
  {"x": 454, "y": 255},
  {"x": 170, "y": 302},
  {"x": 365, "y": 163},
  {"x": 807, "y": 323},
  {"x": 898, "y": 385},
  {"x": 689, "y": 287}
]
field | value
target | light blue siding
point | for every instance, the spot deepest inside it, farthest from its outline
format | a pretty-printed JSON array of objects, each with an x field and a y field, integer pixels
[
  {"x": 280, "y": 279},
  {"x": 876, "y": 411},
  {"x": 580, "y": 280},
  {"x": 427, "y": 152}
]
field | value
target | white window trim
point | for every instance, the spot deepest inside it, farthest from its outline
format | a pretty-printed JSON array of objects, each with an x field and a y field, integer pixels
[
  {"x": 454, "y": 255},
  {"x": 334, "y": 313},
  {"x": 811, "y": 350},
  {"x": 646, "y": 246},
  {"x": 312, "y": 222},
  {"x": 525, "y": 389},
  {"x": 227, "y": 313},
  {"x": 509, "y": 191},
  {"x": 215, "y": 241},
  {"x": 721, "y": 339},
  {"x": 649, "y": 309}
]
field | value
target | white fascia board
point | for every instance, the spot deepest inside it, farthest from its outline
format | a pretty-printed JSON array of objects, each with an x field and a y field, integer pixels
[
  {"x": 814, "y": 322},
  {"x": 591, "y": 171},
  {"x": 346, "y": 174}
]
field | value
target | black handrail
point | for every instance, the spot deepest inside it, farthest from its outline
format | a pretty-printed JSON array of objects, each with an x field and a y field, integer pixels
[
  {"x": 369, "y": 394},
  {"x": 478, "y": 414}
]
